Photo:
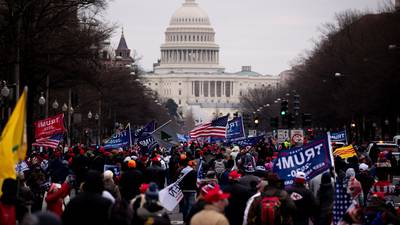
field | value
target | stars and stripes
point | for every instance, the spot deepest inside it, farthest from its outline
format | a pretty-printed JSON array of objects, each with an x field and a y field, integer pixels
[
  {"x": 51, "y": 142},
  {"x": 200, "y": 174},
  {"x": 215, "y": 129},
  {"x": 341, "y": 203}
]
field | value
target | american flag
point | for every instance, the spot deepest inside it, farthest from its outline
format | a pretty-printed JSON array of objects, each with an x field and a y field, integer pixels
[
  {"x": 200, "y": 175},
  {"x": 341, "y": 202},
  {"x": 215, "y": 129},
  {"x": 51, "y": 142}
]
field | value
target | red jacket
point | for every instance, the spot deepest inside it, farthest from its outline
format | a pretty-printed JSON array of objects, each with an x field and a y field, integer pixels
[
  {"x": 7, "y": 214},
  {"x": 55, "y": 198}
]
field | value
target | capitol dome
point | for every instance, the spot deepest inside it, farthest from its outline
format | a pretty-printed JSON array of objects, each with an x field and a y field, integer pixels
[
  {"x": 190, "y": 14},
  {"x": 189, "y": 42}
]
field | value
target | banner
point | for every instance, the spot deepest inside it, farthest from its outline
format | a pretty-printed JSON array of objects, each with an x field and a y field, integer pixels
[
  {"x": 49, "y": 126},
  {"x": 283, "y": 135},
  {"x": 345, "y": 152},
  {"x": 113, "y": 168},
  {"x": 118, "y": 140},
  {"x": 340, "y": 136},
  {"x": 312, "y": 159},
  {"x": 147, "y": 143},
  {"x": 171, "y": 195},
  {"x": 297, "y": 136},
  {"x": 250, "y": 141},
  {"x": 235, "y": 129},
  {"x": 148, "y": 128}
]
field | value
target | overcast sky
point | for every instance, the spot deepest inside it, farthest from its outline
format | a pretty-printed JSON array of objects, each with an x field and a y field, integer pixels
[{"x": 266, "y": 34}]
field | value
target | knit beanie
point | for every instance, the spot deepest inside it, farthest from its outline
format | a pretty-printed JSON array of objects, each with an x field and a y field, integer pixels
[{"x": 152, "y": 192}]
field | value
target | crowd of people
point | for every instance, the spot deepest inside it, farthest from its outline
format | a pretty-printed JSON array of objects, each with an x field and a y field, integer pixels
[{"x": 220, "y": 185}]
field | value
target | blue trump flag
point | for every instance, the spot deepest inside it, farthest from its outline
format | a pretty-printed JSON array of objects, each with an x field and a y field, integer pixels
[
  {"x": 235, "y": 129},
  {"x": 118, "y": 140},
  {"x": 312, "y": 159},
  {"x": 339, "y": 136},
  {"x": 147, "y": 143},
  {"x": 148, "y": 128},
  {"x": 250, "y": 141}
]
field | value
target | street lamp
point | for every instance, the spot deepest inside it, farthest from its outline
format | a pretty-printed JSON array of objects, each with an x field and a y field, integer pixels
[
  {"x": 353, "y": 124},
  {"x": 338, "y": 74},
  {"x": 42, "y": 100},
  {"x": 55, "y": 104},
  {"x": 89, "y": 115},
  {"x": 5, "y": 91},
  {"x": 64, "y": 108}
]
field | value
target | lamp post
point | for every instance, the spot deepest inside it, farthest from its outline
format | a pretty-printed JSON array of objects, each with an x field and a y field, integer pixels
[{"x": 42, "y": 101}]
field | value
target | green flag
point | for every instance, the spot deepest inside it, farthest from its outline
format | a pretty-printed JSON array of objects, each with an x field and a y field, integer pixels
[{"x": 165, "y": 136}]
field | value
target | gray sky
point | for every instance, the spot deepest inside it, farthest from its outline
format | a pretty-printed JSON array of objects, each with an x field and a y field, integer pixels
[{"x": 266, "y": 34}]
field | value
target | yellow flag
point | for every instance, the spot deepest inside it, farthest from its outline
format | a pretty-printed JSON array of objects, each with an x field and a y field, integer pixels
[
  {"x": 345, "y": 152},
  {"x": 13, "y": 141}
]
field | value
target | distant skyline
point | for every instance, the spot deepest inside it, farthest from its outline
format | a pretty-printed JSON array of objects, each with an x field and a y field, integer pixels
[{"x": 267, "y": 35}]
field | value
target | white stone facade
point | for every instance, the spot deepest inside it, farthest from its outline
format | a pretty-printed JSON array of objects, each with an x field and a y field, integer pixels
[{"x": 189, "y": 70}]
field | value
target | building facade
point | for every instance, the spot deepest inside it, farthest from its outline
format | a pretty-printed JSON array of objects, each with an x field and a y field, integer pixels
[{"x": 189, "y": 71}]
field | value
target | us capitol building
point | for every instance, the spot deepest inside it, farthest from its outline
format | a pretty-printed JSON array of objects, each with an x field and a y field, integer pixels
[{"x": 189, "y": 71}]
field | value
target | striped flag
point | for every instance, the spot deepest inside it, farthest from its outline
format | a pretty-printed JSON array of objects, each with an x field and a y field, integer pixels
[
  {"x": 200, "y": 175},
  {"x": 345, "y": 152},
  {"x": 341, "y": 203},
  {"x": 214, "y": 129},
  {"x": 51, "y": 142}
]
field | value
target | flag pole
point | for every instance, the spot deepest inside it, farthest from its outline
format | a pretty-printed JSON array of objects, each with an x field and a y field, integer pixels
[
  {"x": 130, "y": 135},
  {"x": 165, "y": 124}
]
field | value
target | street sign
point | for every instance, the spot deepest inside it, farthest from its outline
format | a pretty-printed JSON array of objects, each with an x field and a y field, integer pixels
[
  {"x": 283, "y": 135},
  {"x": 297, "y": 136}
]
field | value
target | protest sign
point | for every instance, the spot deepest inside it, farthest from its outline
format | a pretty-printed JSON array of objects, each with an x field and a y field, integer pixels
[
  {"x": 312, "y": 159},
  {"x": 119, "y": 140},
  {"x": 235, "y": 129},
  {"x": 49, "y": 126}
]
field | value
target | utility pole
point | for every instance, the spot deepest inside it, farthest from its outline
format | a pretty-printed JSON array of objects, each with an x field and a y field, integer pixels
[{"x": 69, "y": 116}]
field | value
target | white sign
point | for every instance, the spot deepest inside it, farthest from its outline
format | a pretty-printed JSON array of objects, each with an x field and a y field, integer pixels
[
  {"x": 171, "y": 196},
  {"x": 297, "y": 136},
  {"x": 283, "y": 135},
  {"x": 252, "y": 133}
]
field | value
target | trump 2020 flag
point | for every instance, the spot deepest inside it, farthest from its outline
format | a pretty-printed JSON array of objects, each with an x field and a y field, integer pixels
[
  {"x": 235, "y": 129},
  {"x": 13, "y": 141}
]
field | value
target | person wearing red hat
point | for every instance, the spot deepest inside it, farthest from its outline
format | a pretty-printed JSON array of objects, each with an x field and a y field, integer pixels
[
  {"x": 303, "y": 198},
  {"x": 239, "y": 196},
  {"x": 155, "y": 173},
  {"x": 212, "y": 214}
]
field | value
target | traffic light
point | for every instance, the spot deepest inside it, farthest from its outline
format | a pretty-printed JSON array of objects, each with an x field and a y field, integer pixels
[
  {"x": 306, "y": 119},
  {"x": 274, "y": 122},
  {"x": 284, "y": 108},
  {"x": 291, "y": 120}
]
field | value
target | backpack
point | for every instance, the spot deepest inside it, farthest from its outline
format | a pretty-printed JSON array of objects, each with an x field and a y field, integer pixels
[{"x": 269, "y": 210}]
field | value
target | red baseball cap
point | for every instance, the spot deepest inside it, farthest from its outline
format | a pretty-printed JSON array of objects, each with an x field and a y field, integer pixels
[
  {"x": 234, "y": 175},
  {"x": 215, "y": 195}
]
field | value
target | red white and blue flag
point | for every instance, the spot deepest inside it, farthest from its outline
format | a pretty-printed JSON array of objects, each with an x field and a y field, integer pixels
[
  {"x": 213, "y": 129},
  {"x": 51, "y": 142},
  {"x": 342, "y": 202}
]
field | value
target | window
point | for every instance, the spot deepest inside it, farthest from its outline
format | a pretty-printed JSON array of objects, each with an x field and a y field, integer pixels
[
  {"x": 227, "y": 88},
  {"x": 156, "y": 84},
  {"x": 212, "y": 88},
  {"x": 219, "y": 88},
  {"x": 149, "y": 84},
  {"x": 179, "y": 102},
  {"x": 179, "y": 83},
  {"x": 197, "y": 88},
  {"x": 205, "y": 88},
  {"x": 180, "y": 92}
]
